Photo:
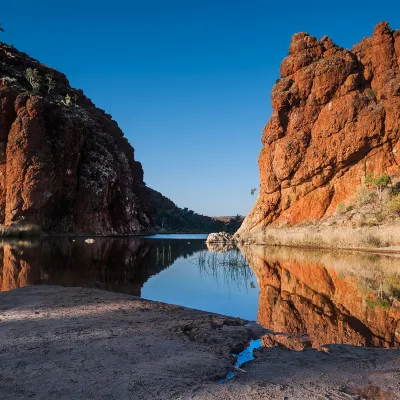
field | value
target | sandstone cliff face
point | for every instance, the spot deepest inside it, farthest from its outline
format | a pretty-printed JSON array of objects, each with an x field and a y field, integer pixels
[
  {"x": 65, "y": 166},
  {"x": 335, "y": 119}
]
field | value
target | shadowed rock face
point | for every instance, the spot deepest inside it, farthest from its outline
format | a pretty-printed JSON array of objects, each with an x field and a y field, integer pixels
[
  {"x": 335, "y": 119},
  {"x": 115, "y": 264},
  {"x": 317, "y": 298},
  {"x": 64, "y": 164}
]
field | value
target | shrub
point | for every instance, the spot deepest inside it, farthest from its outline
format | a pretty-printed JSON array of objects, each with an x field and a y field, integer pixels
[
  {"x": 34, "y": 78},
  {"x": 67, "y": 101},
  {"x": 340, "y": 208},
  {"x": 365, "y": 196},
  {"x": 51, "y": 84},
  {"x": 394, "y": 205},
  {"x": 382, "y": 303},
  {"x": 373, "y": 241}
]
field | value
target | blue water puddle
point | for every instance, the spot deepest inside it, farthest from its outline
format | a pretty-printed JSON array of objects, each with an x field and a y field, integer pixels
[{"x": 245, "y": 356}]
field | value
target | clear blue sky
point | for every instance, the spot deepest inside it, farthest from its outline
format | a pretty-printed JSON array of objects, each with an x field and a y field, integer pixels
[{"x": 188, "y": 81}]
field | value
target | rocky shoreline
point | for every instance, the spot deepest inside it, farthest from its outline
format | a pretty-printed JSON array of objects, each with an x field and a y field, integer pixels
[
  {"x": 86, "y": 343},
  {"x": 380, "y": 239}
]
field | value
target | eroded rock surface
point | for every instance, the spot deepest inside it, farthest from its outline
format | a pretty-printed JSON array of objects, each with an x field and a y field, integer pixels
[
  {"x": 335, "y": 119},
  {"x": 64, "y": 164}
]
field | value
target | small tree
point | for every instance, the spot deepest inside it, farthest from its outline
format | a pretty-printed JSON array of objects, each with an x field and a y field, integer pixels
[
  {"x": 252, "y": 191},
  {"x": 34, "y": 78},
  {"x": 380, "y": 183}
]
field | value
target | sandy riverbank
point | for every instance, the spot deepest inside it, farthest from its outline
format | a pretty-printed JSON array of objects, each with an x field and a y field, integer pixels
[
  {"x": 382, "y": 239},
  {"x": 69, "y": 343}
]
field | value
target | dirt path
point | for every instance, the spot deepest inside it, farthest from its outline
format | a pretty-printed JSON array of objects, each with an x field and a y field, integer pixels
[{"x": 73, "y": 343}]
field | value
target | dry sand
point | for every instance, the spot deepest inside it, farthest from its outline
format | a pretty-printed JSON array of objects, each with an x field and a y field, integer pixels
[{"x": 74, "y": 343}]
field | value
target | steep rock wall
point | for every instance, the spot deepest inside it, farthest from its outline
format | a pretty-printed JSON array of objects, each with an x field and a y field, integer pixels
[
  {"x": 335, "y": 119},
  {"x": 65, "y": 166}
]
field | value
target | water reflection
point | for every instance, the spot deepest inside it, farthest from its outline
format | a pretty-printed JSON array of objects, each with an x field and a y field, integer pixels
[
  {"x": 315, "y": 297},
  {"x": 231, "y": 265},
  {"x": 116, "y": 264},
  {"x": 306, "y": 298}
]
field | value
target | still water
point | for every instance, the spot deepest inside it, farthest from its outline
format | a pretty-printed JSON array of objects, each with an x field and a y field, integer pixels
[{"x": 305, "y": 298}]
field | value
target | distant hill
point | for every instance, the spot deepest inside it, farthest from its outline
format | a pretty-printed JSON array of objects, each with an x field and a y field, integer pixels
[{"x": 169, "y": 218}]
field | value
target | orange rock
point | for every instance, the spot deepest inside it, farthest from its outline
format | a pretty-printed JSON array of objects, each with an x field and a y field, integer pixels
[{"x": 335, "y": 119}]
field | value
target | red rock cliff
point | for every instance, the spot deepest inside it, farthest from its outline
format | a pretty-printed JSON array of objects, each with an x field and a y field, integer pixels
[
  {"x": 64, "y": 164},
  {"x": 335, "y": 119}
]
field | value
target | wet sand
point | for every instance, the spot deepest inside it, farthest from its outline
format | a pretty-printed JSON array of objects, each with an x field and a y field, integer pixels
[{"x": 74, "y": 343}]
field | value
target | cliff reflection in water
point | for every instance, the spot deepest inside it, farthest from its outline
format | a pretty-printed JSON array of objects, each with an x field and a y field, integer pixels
[
  {"x": 306, "y": 298},
  {"x": 316, "y": 297},
  {"x": 117, "y": 264}
]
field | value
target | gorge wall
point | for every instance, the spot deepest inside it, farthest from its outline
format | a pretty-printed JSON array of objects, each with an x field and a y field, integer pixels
[
  {"x": 65, "y": 166},
  {"x": 335, "y": 119}
]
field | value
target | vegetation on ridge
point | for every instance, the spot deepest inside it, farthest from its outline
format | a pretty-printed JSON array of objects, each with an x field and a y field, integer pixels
[{"x": 170, "y": 218}]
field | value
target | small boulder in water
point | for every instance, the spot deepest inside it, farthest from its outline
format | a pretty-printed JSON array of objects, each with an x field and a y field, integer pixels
[{"x": 220, "y": 237}]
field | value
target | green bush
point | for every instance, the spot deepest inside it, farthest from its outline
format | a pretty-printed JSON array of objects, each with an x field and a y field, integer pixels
[
  {"x": 382, "y": 303},
  {"x": 34, "y": 78}
]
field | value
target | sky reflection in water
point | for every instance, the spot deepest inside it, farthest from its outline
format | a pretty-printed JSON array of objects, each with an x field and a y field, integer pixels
[{"x": 312, "y": 297}]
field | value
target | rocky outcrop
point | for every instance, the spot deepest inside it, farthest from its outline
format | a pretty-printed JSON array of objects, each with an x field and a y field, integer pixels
[
  {"x": 335, "y": 119},
  {"x": 220, "y": 237},
  {"x": 65, "y": 166}
]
